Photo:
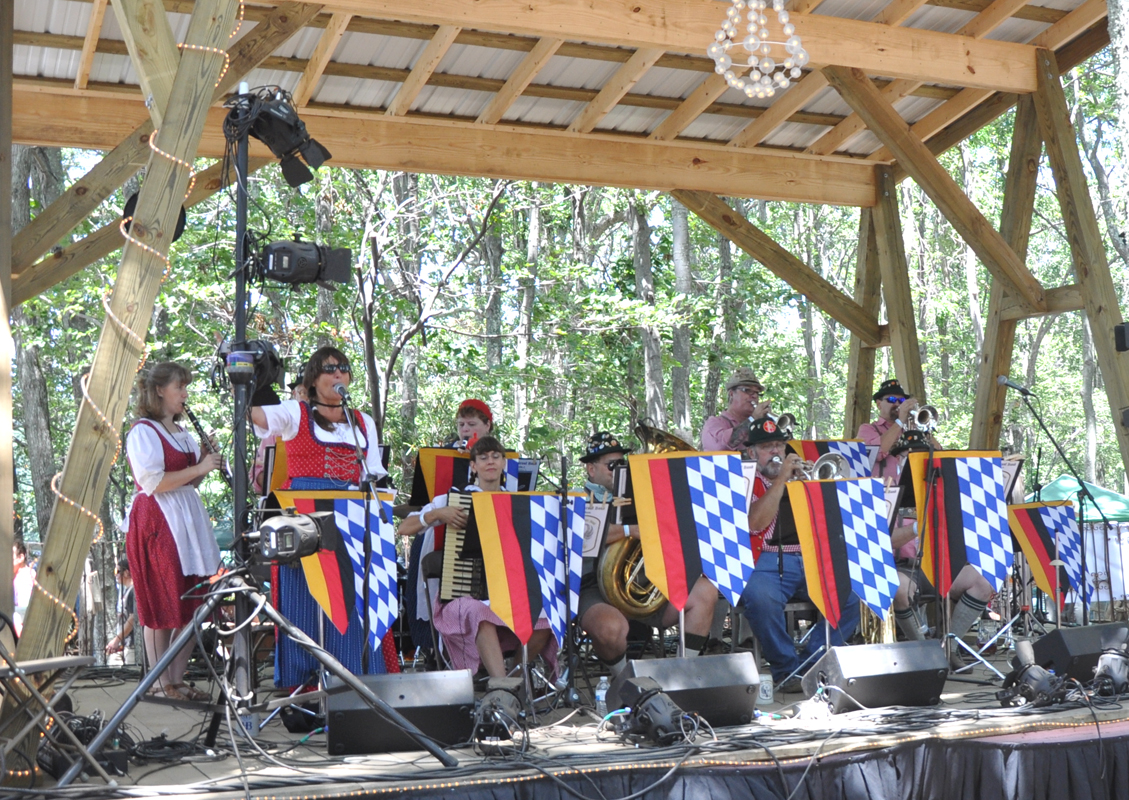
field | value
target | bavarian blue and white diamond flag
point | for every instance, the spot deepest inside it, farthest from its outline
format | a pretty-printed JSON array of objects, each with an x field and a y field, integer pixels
[
  {"x": 547, "y": 551},
  {"x": 870, "y": 555},
  {"x": 717, "y": 496},
  {"x": 383, "y": 604}
]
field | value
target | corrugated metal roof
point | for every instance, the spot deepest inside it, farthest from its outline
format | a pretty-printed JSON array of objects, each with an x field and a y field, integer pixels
[{"x": 482, "y": 63}]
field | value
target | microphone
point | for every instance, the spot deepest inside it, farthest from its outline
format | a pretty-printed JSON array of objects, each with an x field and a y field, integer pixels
[
  {"x": 342, "y": 392},
  {"x": 1023, "y": 390}
]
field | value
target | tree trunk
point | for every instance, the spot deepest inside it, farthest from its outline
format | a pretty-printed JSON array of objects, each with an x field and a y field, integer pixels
[
  {"x": 648, "y": 334},
  {"x": 523, "y": 391},
  {"x": 723, "y": 332},
  {"x": 1119, "y": 46},
  {"x": 1089, "y": 387},
  {"x": 493, "y": 251},
  {"x": 684, "y": 286},
  {"x": 405, "y": 190},
  {"x": 36, "y": 172},
  {"x": 971, "y": 262}
]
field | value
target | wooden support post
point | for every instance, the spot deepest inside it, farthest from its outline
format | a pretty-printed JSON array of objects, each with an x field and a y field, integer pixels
[
  {"x": 895, "y": 286},
  {"x": 117, "y": 166},
  {"x": 758, "y": 244},
  {"x": 862, "y": 96},
  {"x": 860, "y": 362},
  {"x": 7, "y": 348},
  {"x": 1087, "y": 246},
  {"x": 94, "y": 442},
  {"x": 1015, "y": 227}
]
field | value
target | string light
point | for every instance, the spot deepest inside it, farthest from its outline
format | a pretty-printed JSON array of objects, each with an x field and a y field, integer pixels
[{"x": 760, "y": 49}]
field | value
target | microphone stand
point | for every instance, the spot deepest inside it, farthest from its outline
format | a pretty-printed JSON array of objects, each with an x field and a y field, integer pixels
[
  {"x": 1083, "y": 494},
  {"x": 366, "y": 488}
]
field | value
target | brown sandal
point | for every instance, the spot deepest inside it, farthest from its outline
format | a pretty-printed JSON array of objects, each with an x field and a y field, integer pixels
[{"x": 190, "y": 692}]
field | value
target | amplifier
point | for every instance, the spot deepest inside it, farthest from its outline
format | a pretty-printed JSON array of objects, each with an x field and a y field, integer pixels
[
  {"x": 721, "y": 688},
  {"x": 877, "y": 675},
  {"x": 441, "y": 704},
  {"x": 1073, "y": 652}
]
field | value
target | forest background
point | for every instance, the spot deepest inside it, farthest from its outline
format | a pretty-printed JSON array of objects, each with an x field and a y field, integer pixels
[{"x": 571, "y": 309}]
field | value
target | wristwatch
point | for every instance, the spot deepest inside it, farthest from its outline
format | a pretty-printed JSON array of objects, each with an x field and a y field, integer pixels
[{"x": 899, "y": 423}]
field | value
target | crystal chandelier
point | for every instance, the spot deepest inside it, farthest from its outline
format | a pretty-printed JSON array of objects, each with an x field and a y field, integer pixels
[{"x": 766, "y": 74}]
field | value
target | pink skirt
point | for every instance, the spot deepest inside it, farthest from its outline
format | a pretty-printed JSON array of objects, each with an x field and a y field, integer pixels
[
  {"x": 154, "y": 564},
  {"x": 458, "y": 622}
]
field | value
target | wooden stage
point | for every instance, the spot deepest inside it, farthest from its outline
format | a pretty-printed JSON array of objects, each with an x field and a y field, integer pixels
[{"x": 969, "y": 746}]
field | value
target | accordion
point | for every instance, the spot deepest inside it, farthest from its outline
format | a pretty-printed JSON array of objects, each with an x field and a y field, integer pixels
[{"x": 464, "y": 572}]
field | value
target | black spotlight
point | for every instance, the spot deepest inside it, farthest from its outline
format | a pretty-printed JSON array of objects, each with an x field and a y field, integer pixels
[
  {"x": 275, "y": 123},
  {"x": 300, "y": 262},
  {"x": 1028, "y": 683}
]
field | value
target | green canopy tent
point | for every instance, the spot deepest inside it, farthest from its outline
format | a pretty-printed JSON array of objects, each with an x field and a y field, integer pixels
[{"x": 1115, "y": 506}]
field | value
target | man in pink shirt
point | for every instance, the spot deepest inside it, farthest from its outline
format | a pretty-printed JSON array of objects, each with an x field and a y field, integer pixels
[
  {"x": 893, "y": 416},
  {"x": 744, "y": 396}
]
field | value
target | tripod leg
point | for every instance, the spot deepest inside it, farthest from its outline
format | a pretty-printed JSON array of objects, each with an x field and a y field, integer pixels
[{"x": 186, "y": 636}]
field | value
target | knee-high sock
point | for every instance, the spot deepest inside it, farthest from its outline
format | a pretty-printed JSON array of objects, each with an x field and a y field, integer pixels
[
  {"x": 909, "y": 624},
  {"x": 967, "y": 610}
]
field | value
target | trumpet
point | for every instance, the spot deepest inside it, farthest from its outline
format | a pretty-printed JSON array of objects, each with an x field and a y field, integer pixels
[
  {"x": 206, "y": 442},
  {"x": 924, "y": 418},
  {"x": 828, "y": 467},
  {"x": 784, "y": 422}
]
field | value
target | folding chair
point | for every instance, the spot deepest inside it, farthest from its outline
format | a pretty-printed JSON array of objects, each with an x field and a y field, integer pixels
[{"x": 26, "y": 681}]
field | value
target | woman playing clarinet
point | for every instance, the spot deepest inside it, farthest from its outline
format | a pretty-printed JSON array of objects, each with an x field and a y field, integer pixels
[{"x": 169, "y": 538}]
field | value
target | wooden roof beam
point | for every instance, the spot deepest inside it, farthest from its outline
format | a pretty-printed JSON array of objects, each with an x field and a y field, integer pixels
[
  {"x": 978, "y": 27},
  {"x": 861, "y": 95},
  {"x": 708, "y": 91},
  {"x": 152, "y": 49},
  {"x": 798, "y": 95},
  {"x": 90, "y": 43},
  {"x": 425, "y": 65},
  {"x": 1066, "y": 30},
  {"x": 688, "y": 26},
  {"x": 371, "y": 139},
  {"x": 614, "y": 90},
  {"x": 130, "y": 150},
  {"x": 320, "y": 58},
  {"x": 76, "y": 257},
  {"x": 519, "y": 81},
  {"x": 758, "y": 244}
]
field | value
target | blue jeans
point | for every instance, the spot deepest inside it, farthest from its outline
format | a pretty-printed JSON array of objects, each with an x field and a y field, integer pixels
[{"x": 764, "y": 599}]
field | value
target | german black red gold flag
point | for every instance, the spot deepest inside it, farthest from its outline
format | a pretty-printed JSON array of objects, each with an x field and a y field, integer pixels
[
  {"x": 505, "y": 531},
  {"x": 438, "y": 470},
  {"x": 1036, "y": 526},
  {"x": 819, "y": 523}
]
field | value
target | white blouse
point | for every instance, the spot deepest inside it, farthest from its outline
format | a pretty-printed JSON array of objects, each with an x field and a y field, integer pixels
[
  {"x": 284, "y": 420},
  {"x": 183, "y": 509}
]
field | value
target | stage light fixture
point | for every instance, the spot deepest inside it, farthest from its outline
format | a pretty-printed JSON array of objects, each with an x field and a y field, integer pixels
[
  {"x": 1028, "y": 683},
  {"x": 299, "y": 262},
  {"x": 1112, "y": 674},
  {"x": 654, "y": 716},
  {"x": 278, "y": 127},
  {"x": 288, "y": 537}
]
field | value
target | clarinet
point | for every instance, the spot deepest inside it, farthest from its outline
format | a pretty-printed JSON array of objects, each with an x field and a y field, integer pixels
[{"x": 225, "y": 472}]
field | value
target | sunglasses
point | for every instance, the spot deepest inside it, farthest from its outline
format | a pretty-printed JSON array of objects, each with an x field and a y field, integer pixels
[
  {"x": 329, "y": 369},
  {"x": 895, "y": 399}
]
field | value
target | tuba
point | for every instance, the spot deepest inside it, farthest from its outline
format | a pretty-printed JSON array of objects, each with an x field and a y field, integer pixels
[{"x": 622, "y": 579}]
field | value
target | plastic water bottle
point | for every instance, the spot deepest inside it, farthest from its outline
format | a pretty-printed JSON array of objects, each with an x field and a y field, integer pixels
[{"x": 602, "y": 696}]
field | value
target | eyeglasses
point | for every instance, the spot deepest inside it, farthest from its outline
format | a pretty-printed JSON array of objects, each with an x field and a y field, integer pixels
[
  {"x": 329, "y": 369},
  {"x": 894, "y": 398},
  {"x": 753, "y": 391}
]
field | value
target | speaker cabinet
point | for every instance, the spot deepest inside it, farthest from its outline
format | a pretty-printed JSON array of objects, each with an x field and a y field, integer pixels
[
  {"x": 1073, "y": 652},
  {"x": 721, "y": 688},
  {"x": 877, "y": 675},
  {"x": 441, "y": 704}
]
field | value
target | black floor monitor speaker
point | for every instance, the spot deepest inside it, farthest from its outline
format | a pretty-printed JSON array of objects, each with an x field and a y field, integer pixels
[
  {"x": 1073, "y": 652},
  {"x": 877, "y": 675},
  {"x": 722, "y": 689},
  {"x": 441, "y": 704}
]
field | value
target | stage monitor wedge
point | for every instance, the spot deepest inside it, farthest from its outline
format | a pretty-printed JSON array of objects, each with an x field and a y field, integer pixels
[
  {"x": 441, "y": 704},
  {"x": 1073, "y": 652},
  {"x": 878, "y": 675},
  {"x": 722, "y": 688}
]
